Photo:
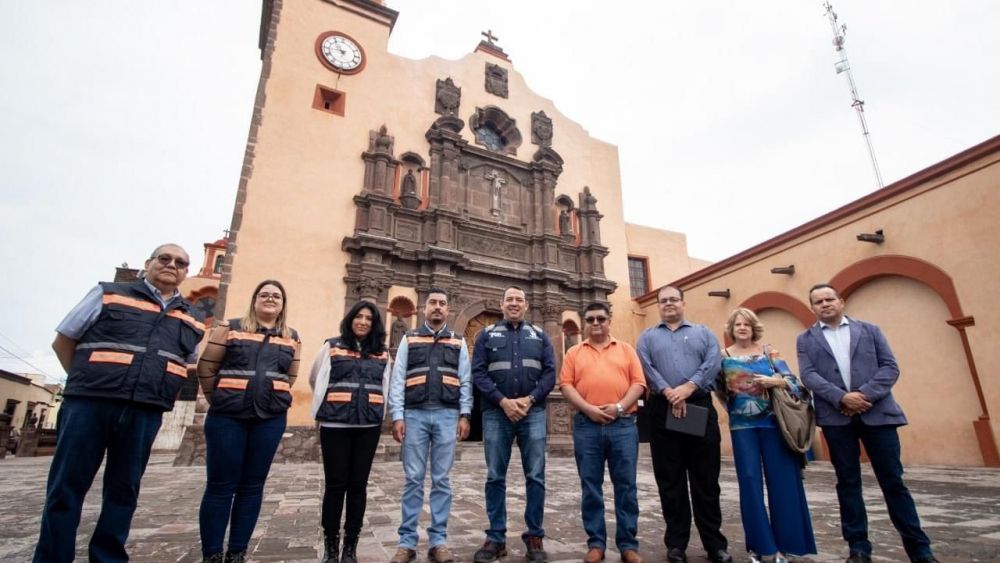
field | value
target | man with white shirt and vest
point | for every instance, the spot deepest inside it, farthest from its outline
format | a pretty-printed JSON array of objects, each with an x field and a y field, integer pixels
[
  {"x": 514, "y": 369},
  {"x": 126, "y": 349},
  {"x": 430, "y": 401},
  {"x": 849, "y": 367}
]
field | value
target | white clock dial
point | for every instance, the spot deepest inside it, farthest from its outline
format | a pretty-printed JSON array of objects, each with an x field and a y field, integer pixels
[{"x": 341, "y": 52}]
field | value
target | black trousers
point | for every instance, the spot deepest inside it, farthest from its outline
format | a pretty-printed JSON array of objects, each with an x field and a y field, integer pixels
[
  {"x": 680, "y": 459},
  {"x": 347, "y": 463}
]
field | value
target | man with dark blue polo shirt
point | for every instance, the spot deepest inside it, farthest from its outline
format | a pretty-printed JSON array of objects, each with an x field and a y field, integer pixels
[
  {"x": 126, "y": 349},
  {"x": 514, "y": 368}
]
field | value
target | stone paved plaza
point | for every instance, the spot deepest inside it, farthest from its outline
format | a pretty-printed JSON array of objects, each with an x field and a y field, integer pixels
[{"x": 960, "y": 509}]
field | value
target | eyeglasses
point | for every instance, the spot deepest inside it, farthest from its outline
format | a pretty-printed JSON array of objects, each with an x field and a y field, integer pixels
[
  {"x": 271, "y": 296},
  {"x": 594, "y": 320},
  {"x": 670, "y": 300},
  {"x": 166, "y": 260}
]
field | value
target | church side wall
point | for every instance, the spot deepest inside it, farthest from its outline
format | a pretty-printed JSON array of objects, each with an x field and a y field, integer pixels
[{"x": 945, "y": 225}]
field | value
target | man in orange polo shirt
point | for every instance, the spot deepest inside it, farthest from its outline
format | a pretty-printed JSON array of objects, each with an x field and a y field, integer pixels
[{"x": 602, "y": 378}]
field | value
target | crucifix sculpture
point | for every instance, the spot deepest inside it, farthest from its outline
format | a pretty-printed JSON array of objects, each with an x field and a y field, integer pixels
[
  {"x": 496, "y": 184},
  {"x": 490, "y": 38}
]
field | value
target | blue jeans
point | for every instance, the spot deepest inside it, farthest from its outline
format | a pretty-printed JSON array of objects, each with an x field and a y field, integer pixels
[
  {"x": 499, "y": 434},
  {"x": 428, "y": 432},
  {"x": 617, "y": 444},
  {"x": 238, "y": 455},
  {"x": 87, "y": 428},
  {"x": 882, "y": 445},
  {"x": 789, "y": 527}
]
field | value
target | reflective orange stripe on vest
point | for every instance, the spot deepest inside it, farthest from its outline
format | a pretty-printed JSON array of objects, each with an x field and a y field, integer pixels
[
  {"x": 374, "y": 399},
  {"x": 98, "y": 356},
  {"x": 338, "y": 397},
  {"x": 280, "y": 385},
  {"x": 336, "y": 351},
  {"x": 283, "y": 341},
  {"x": 419, "y": 340},
  {"x": 111, "y": 298},
  {"x": 186, "y": 318},
  {"x": 419, "y": 380},
  {"x": 177, "y": 369},
  {"x": 237, "y": 335},
  {"x": 449, "y": 380},
  {"x": 229, "y": 383},
  {"x": 450, "y": 341}
]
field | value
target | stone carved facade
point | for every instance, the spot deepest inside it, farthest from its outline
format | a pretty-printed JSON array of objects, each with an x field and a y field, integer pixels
[
  {"x": 458, "y": 243},
  {"x": 496, "y": 80},
  {"x": 541, "y": 129}
]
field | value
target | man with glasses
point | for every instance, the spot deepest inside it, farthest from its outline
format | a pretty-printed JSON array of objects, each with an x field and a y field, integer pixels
[
  {"x": 602, "y": 378},
  {"x": 514, "y": 368},
  {"x": 681, "y": 360},
  {"x": 126, "y": 348},
  {"x": 430, "y": 402}
]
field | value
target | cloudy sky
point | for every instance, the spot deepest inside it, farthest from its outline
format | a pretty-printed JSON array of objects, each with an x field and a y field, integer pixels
[{"x": 123, "y": 123}]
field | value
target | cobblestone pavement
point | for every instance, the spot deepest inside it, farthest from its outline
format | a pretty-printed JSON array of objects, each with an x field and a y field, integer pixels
[{"x": 960, "y": 509}]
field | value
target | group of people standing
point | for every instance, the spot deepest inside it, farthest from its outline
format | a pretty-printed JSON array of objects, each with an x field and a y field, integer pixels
[{"x": 126, "y": 348}]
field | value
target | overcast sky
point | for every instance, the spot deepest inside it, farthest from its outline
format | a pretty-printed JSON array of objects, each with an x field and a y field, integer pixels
[{"x": 123, "y": 123}]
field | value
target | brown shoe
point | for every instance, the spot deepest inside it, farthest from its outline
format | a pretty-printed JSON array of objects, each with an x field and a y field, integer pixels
[
  {"x": 439, "y": 554},
  {"x": 594, "y": 555},
  {"x": 631, "y": 556},
  {"x": 404, "y": 555}
]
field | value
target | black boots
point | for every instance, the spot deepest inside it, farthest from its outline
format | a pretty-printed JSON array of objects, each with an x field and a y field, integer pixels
[
  {"x": 332, "y": 544},
  {"x": 236, "y": 556},
  {"x": 350, "y": 554}
]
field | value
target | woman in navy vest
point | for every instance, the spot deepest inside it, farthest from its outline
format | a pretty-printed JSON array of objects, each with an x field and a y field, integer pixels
[
  {"x": 349, "y": 379},
  {"x": 246, "y": 372}
]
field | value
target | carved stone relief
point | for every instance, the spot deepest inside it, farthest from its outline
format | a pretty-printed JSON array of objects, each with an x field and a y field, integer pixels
[
  {"x": 496, "y": 80},
  {"x": 541, "y": 129},
  {"x": 494, "y": 247},
  {"x": 448, "y": 97}
]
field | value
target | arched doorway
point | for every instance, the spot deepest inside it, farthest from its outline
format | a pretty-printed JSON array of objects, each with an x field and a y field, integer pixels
[{"x": 472, "y": 329}]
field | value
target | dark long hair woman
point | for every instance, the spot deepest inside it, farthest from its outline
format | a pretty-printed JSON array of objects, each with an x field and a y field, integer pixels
[
  {"x": 246, "y": 373},
  {"x": 350, "y": 379}
]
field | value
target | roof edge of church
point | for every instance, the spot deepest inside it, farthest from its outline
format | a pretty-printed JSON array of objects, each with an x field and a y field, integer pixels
[{"x": 911, "y": 182}]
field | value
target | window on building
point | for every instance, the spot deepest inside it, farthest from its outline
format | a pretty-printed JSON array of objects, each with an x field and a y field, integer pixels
[
  {"x": 217, "y": 268},
  {"x": 638, "y": 276}
]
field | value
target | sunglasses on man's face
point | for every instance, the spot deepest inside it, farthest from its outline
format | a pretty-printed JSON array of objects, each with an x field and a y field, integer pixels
[
  {"x": 595, "y": 320},
  {"x": 166, "y": 259}
]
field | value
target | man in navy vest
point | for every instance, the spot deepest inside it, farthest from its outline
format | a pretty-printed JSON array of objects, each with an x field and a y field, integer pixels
[
  {"x": 126, "y": 349},
  {"x": 514, "y": 368},
  {"x": 430, "y": 401}
]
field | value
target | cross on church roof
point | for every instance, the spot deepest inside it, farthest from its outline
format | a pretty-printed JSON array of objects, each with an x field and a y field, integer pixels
[{"x": 490, "y": 38}]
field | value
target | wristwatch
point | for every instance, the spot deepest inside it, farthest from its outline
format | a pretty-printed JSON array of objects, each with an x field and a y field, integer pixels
[
  {"x": 466, "y": 416},
  {"x": 531, "y": 398},
  {"x": 621, "y": 409}
]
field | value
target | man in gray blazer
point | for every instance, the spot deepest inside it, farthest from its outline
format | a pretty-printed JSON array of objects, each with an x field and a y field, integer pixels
[{"x": 848, "y": 366}]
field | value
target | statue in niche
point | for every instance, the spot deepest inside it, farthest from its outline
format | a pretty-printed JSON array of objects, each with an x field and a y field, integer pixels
[
  {"x": 398, "y": 330},
  {"x": 496, "y": 185},
  {"x": 408, "y": 195},
  {"x": 572, "y": 340},
  {"x": 565, "y": 225}
]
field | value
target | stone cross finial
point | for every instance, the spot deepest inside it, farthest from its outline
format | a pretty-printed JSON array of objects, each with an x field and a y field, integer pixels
[{"x": 490, "y": 38}]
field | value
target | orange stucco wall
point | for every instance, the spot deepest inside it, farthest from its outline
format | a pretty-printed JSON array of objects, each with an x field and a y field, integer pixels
[{"x": 939, "y": 232}]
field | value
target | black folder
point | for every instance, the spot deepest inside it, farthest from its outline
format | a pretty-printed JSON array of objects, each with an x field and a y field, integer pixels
[{"x": 693, "y": 423}]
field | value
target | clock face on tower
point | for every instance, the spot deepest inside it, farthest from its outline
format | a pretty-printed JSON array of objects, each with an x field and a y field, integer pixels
[{"x": 340, "y": 53}]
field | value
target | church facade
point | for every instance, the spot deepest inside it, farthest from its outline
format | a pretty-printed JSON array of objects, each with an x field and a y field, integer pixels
[{"x": 368, "y": 175}]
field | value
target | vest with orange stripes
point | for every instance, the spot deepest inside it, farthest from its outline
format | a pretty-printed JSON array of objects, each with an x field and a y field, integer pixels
[
  {"x": 136, "y": 350},
  {"x": 432, "y": 369},
  {"x": 354, "y": 394},
  {"x": 253, "y": 375}
]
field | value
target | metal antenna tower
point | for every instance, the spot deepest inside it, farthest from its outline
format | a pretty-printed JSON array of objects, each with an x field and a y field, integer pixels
[{"x": 842, "y": 66}]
